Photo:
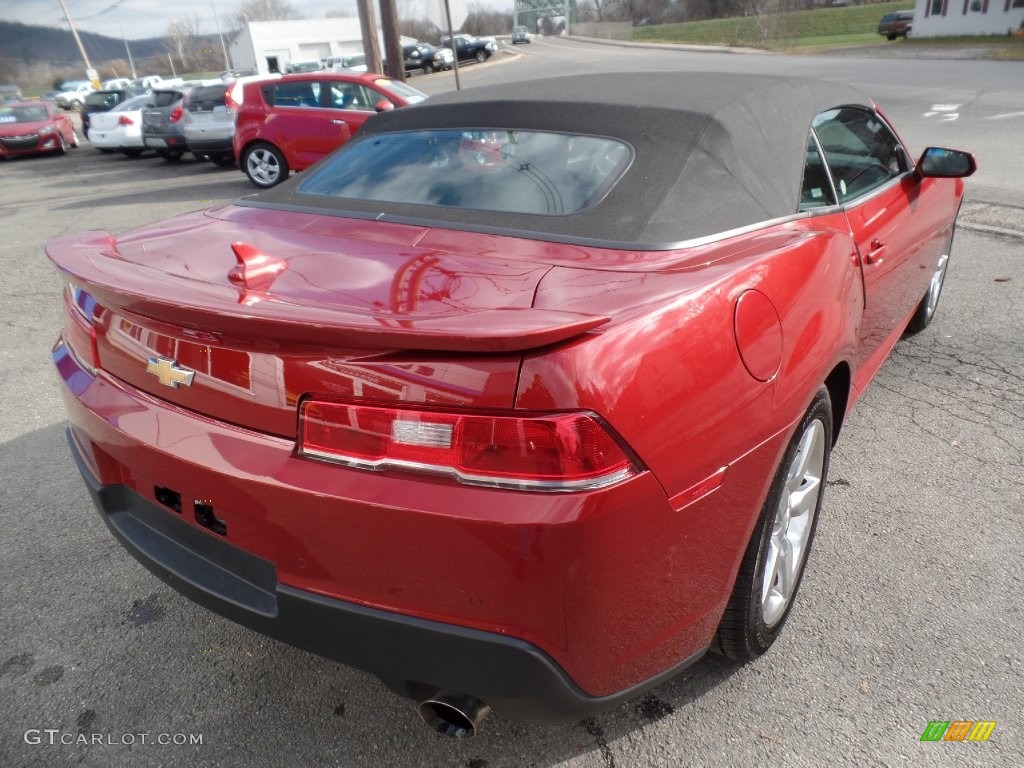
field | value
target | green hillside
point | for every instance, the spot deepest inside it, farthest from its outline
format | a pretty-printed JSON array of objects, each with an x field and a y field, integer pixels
[{"x": 819, "y": 27}]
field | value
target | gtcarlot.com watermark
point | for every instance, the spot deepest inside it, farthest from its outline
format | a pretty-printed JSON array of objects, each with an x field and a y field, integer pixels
[{"x": 55, "y": 736}]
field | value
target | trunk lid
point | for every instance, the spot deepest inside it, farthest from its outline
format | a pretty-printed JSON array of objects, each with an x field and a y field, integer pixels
[{"x": 350, "y": 308}]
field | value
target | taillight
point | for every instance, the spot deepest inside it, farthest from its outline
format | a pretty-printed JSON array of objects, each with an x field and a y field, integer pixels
[
  {"x": 544, "y": 452},
  {"x": 230, "y": 104},
  {"x": 175, "y": 115},
  {"x": 79, "y": 331},
  {"x": 125, "y": 120}
]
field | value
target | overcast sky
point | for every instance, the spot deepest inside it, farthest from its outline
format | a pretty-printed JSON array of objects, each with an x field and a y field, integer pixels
[{"x": 149, "y": 18}]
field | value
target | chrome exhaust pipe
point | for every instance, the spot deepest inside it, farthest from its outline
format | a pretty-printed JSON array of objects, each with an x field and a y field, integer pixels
[{"x": 456, "y": 715}]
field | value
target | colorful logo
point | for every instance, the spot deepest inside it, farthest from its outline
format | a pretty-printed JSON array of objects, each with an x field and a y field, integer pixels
[{"x": 958, "y": 730}]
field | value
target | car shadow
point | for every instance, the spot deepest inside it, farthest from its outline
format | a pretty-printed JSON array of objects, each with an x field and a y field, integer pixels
[{"x": 95, "y": 644}]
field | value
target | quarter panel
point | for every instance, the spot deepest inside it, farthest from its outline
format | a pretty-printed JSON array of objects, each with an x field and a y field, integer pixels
[{"x": 667, "y": 376}]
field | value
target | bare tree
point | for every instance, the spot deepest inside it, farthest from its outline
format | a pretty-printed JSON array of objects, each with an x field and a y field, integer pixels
[
  {"x": 262, "y": 10},
  {"x": 419, "y": 29},
  {"x": 8, "y": 70},
  {"x": 600, "y": 10},
  {"x": 772, "y": 24},
  {"x": 183, "y": 41},
  {"x": 484, "y": 20}
]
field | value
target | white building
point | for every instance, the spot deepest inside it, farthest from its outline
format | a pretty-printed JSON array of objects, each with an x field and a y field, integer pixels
[
  {"x": 265, "y": 43},
  {"x": 940, "y": 18}
]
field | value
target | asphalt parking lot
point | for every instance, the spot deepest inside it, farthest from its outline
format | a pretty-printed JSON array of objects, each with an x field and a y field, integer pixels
[{"x": 911, "y": 610}]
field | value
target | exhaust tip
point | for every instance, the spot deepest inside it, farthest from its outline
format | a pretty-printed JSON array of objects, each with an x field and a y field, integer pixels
[{"x": 454, "y": 715}]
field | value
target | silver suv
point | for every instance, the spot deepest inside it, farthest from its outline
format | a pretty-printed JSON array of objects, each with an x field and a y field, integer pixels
[{"x": 209, "y": 123}]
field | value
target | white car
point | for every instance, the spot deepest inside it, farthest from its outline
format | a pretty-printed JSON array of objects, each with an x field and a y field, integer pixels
[
  {"x": 73, "y": 94},
  {"x": 120, "y": 129},
  {"x": 353, "y": 62}
]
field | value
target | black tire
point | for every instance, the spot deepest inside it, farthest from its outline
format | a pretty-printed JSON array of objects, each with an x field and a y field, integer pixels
[
  {"x": 264, "y": 164},
  {"x": 891, "y": 36},
  {"x": 170, "y": 155},
  {"x": 223, "y": 159},
  {"x": 925, "y": 312},
  {"x": 428, "y": 69},
  {"x": 481, "y": 56},
  {"x": 757, "y": 610},
  {"x": 133, "y": 151}
]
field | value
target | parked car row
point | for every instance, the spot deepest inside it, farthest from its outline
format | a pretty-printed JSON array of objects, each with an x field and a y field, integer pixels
[
  {"x": 418, "y": 57},
  {"x": 270, "y": 125}
]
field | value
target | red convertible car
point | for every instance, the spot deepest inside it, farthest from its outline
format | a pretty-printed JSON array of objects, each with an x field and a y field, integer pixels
[{"x": 516, "y": 401}]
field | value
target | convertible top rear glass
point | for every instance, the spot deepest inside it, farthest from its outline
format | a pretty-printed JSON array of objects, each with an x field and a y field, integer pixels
[
  {"x": 538, "y": 172},
  {"x": 710, "y": 153}
]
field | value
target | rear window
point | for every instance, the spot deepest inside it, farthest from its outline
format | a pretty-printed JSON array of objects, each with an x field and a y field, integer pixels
[
  {"x": 135, "y": 102},
  {"x": 103, "y": 99},
  {"x": 531, "y": 172},
  {"x": 407, "y": 92},
  {"x": 206, "y": 98},
  {"x": 164, "y": 98}
]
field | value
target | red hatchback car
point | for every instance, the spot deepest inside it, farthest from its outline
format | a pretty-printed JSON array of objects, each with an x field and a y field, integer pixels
[
  {"x": 287, "y": 124},
  {"x": 518, "y": 401},
  {"x": 34, "y": 127}
]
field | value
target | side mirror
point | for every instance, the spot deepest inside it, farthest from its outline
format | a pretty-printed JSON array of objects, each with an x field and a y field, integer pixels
[
  {"x": 946, "y": 163},
  {"x": 383, "y": 106}
]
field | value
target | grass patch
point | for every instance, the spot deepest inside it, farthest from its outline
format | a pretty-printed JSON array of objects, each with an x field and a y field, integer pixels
[{"x": 819, "y": 29}]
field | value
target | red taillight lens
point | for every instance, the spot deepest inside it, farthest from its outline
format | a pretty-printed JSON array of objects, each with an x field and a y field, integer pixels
[
  {"x": 125, "y": 120},
  {"x": 175, "y": 115},
  {"x": 550, "y": 452},
  {"x": 79, "y": 331},
  {"x": 230, "y": 105}
]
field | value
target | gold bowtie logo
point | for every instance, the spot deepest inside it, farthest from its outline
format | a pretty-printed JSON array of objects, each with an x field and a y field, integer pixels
[{"x": 169, "y": 373}]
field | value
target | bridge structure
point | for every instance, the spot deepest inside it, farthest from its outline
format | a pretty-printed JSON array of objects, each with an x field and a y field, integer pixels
[{"x": 547, "y": 17}]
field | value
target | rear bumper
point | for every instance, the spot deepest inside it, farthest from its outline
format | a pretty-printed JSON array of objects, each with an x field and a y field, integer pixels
[
  {"x": 210, "y": 144},
  {"x": 512, "y": 676},
  {"x": 545, "y": 606},
  {"x": 164, "y": 141}
]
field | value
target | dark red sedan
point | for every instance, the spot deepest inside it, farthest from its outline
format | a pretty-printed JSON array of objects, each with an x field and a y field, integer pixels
[
  {"x": 519, "y": 400},
  {"x": 34, "y": 127},
  {"x": 289, "y": 123}
]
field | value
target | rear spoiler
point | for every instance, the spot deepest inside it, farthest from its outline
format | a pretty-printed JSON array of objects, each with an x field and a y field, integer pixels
[{"x": 131, "y": 289}]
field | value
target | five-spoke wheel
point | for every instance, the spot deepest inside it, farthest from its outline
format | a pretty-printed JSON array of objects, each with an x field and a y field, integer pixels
[
  {"x": 776, "y": 554},
  {"x": 264, "y": 165}
]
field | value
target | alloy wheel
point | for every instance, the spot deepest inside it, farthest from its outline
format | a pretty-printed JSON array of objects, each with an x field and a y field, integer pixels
[{"x": 793, "y": 524}]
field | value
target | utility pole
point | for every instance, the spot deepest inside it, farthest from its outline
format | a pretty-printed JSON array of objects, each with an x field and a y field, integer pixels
[
  {"x": 131, "y": 62},
  {"x": 89, "y": 71},
  {"x": 392, "y": 45},
  {"x": 223, "y": 47},
  {"x": 368, "y": 27}
]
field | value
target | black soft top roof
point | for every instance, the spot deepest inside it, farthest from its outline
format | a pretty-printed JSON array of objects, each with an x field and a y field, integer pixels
[{"x": 713, "y": 152}]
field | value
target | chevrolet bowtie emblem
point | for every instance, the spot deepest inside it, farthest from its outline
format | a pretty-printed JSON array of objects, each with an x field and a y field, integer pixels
[{"x": 168, "y": 373}]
